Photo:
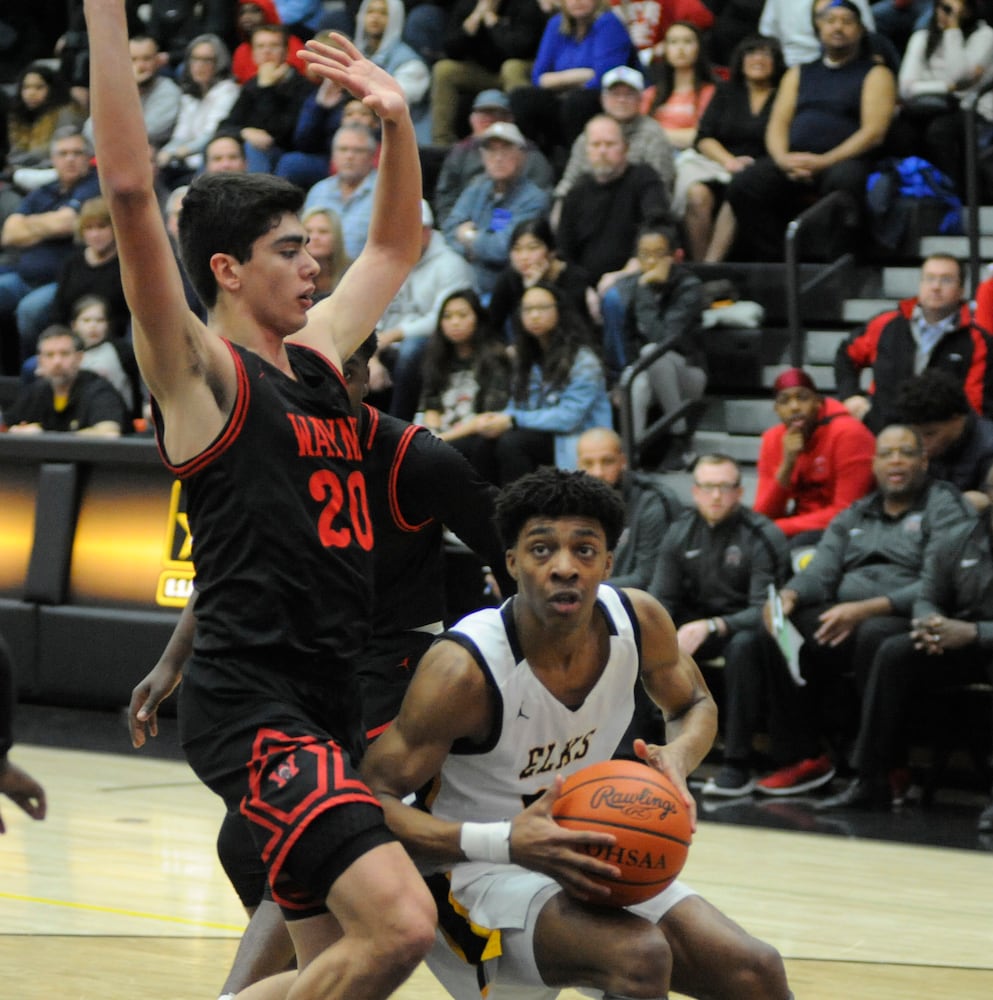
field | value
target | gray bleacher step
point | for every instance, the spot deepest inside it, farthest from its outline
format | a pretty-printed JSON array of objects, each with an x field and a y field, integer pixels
[
  {"x": 741, "y": 447},
  {"x": 900, "y": 282},
  {"x": 986, "y": 219},
  {"x": 958, "y": 246},
  {"x": 862, "y": 310},
  {"x": 748, "y": 416},
  {"x": 822, "y": 345}
]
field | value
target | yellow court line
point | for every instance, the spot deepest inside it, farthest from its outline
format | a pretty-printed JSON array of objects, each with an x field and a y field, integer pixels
[{"x": 116, "y": 911}]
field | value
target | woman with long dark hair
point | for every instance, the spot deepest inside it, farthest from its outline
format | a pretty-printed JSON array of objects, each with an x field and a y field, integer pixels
[
  {"x": 39, "y": 107},
  {"x": 559, "y": 387},
  {"x": 466, "y": 371},
  {"x": 684, "y": 84},
  {"x": 730, "y": 137},
  {"x": 533, "y": 259},
  {"x": 941, "y": 65}
]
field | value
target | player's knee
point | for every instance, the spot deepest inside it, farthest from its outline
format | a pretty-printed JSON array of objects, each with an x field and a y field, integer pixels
[
  {"x": 410, "y": 934},
  {"x": 646, "y": 966},
  {"x": 762, "y": 974}
]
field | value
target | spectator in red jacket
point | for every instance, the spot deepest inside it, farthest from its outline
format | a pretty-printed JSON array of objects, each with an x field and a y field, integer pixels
[
  {"x": 251, "y": 14},
  {"x": 934, "y": 330},
  {"x": 815, "y": 463}
]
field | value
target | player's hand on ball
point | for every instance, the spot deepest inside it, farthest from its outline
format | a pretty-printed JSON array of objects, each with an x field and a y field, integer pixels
[
  {"x": 658, "y": 756},
  {"x": 537, "y": 842}
]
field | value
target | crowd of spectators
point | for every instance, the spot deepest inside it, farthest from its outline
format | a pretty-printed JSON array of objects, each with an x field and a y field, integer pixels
[{"x": 580, "y": 157}]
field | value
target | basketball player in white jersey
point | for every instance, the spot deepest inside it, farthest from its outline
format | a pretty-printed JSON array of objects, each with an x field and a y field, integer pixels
[{"x": 501, "y": 709}]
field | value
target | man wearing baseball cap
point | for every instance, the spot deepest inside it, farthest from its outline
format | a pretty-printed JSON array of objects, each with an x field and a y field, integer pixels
[
  {"x": 620, "y": 97},
  {"x": 814, "y": 463},
  {"x": 464, "y": 161},
  {"x": 488, "y": 44},
  {"x": 480, "y": 223}
]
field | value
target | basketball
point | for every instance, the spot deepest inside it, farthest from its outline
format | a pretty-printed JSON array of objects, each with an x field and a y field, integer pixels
[{"x": 642, "y": 809}]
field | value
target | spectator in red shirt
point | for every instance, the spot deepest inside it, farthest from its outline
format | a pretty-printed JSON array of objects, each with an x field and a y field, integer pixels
[{"x": 815, "y": 463}]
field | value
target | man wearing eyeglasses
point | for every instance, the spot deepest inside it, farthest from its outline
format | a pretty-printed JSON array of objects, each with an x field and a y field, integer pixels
[
  {"x": 933, "y": 330},
  {"x": 859, "y": 588},
  {"x": 714, "y": 570},
  {"x": 949, "y": 644}
]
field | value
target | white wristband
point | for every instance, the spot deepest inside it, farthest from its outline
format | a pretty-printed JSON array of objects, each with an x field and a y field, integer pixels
[{"x": 486, "y": 841}]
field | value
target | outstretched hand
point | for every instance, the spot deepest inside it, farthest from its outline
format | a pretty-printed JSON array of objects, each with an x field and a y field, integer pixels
[
  {"x": 537, "y": 842},
  {"x": 345, "y": 65},
  {"x": 22, "y": 790}
]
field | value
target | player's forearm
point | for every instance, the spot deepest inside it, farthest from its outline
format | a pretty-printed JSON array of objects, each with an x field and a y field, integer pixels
[
  {"x": 690, "y": 735},
  {"x": 395, "y": 225},
  {"x": 426, "y": 838},
  {"x": 118, "y": 126}
]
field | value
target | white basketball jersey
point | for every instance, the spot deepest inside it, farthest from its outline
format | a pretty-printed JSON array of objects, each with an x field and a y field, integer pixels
[{"x": 535, "y": 737}]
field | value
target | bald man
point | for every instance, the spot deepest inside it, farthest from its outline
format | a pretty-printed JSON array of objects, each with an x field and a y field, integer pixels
[{"x": 650, "y": 506}]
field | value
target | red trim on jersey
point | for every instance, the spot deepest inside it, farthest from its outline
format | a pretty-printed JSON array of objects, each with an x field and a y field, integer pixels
[
  {"x": 231, "y": 430},
  {"x": 372, "y": 425},
  {"x": 401, "y": 522},
  {"x": 371, "y": 734},
  {"x": 325, "y": 359}
]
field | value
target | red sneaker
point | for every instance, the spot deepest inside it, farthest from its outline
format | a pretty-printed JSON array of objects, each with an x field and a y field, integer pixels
[{"x": 797, "y": 778}]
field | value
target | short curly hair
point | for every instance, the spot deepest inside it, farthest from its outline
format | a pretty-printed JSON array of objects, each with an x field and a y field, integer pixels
[
  {"x": 931, "y": 397},
  {"x": 551, "y": 492}
]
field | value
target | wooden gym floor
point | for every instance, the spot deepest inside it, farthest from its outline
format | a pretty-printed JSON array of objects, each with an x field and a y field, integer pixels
[{"x": 118, "y": 895}]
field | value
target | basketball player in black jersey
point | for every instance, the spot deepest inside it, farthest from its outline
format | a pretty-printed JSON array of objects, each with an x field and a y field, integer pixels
[
  {"x": 251, "y": 411},
  {"x": 403, "y": 464}
]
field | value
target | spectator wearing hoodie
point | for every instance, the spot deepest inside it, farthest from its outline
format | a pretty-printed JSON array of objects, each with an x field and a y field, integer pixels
[
  {"x": 378, "y": 31},
  {"x": 252, "y": 14}
]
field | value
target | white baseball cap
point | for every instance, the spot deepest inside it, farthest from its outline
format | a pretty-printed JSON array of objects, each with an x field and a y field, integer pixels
[
  {"x": 505, "y": 131},
  {"x": 623, "y": 74}
]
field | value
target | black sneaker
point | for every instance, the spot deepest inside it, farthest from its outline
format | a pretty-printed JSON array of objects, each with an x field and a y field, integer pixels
[{"x": 730, "y": 782}]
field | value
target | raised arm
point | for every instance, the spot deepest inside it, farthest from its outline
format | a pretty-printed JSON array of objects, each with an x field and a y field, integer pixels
[
  {"x": 174, "y": 350},
  {"x": 393, "y": 245}
]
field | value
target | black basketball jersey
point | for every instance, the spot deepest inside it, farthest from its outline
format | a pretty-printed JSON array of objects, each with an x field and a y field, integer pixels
[
  {"x": 282, "y": 538},
  {"x": 418, "y": 485}
]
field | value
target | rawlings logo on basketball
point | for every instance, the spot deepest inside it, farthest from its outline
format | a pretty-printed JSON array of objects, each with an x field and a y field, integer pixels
[
  {"x": 642, "y": 811},
  {"x": 641, "y": 804}
]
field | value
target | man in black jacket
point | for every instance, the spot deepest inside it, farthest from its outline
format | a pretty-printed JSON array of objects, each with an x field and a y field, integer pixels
[
  {"x": 950, "y": 642},
  {"x": 860, "y": 587},
  {"x": 712, "y": 575}
]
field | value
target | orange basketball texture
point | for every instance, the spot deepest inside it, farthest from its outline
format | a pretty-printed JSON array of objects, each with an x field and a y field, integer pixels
[{"x": 642, "y": 809}]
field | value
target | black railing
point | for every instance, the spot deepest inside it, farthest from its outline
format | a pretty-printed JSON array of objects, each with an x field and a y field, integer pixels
[
  {"x": 973, "y": 193},
  {"x": 835, "y": 202},
  {"x": 690, "y": 411}
]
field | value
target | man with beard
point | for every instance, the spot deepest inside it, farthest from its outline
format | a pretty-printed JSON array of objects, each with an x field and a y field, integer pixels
[
  {"x": 829, "y": 115},
  {"x": 814, "y": 463},
  {"x": 64, "y": 398},
  {"x": 603, "y": 211},
  {"x": 860, "y": 587},
  {"x": 948, "y": 645}
]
